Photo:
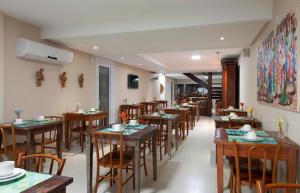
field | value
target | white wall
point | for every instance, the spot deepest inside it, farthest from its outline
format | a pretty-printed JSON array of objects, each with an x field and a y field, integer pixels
[
  {"x": 148, "y": 88},
  {"x": 1, "y": 67},
  {"x": 168, "y": 93},
  {"x": 20, "y": 91},
  {"x": 248, "y": 76}
]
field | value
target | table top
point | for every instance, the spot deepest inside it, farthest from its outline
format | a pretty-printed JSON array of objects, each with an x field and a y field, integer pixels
[
  {"x": 33, "y": 124},
  {"x": 221, "y": 137},
  {"x": 36, "y": 182},
  {"x": 140, "y": 133},
  {"x": 233, "y": 110},
  {"x": 87, "y": 113},
  {"x": 163, "y": 116},
  {"x": 239, "y": 119}
]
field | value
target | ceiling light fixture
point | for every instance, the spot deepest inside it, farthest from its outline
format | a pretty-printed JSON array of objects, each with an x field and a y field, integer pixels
[
  {"x": 222, "y": 38},
  {"x": 122, "y": 58},
  {"x": 96, "y": 48},
  {"x": 196, "y": 57},
  {"x": 140, "y": 64}
]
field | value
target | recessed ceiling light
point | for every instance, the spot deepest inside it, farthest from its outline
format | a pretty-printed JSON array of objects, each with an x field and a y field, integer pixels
[
  {"x": 95, "y": 47},
  {"x": 122, "y": 58},
  {"x": 222, "y": 38},
  {"x": 196, "y": 57},
  {"x": 140, "y": 64}
]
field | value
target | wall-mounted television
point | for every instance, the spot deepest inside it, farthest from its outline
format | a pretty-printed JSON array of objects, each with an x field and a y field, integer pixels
[{"x": 133, "y": 81}]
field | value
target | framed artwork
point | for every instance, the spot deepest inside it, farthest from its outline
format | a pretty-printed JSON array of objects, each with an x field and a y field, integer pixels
[{"x": 277, "y": 64}]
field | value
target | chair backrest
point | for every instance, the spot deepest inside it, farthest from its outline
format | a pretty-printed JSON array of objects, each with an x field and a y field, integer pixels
[
  {"x": 255, "y": 149},
  {"x": 172, "y": 111},
  {"x": 39, "y": 159},
  {"x": 126, "y": 109},
  {"x": 149, "y": 107},
  {"x": 74, "y": 120},
  {"x": 52, "y": 133},
  {"x": 102, "y": 139},
  {"x": 4, "y": 130},
  {"x": 237, "y": 124},
  {"x": 262, "y": 188}
]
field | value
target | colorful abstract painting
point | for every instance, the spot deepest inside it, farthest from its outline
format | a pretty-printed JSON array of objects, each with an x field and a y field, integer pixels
[{"x": 277, "y": 65}]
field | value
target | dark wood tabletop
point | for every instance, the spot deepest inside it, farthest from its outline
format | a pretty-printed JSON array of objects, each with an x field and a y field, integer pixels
[{"x": 55, "y": 184}]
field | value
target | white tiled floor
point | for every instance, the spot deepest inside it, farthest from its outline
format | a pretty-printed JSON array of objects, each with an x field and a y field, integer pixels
[{"x": 191, "y": 170}]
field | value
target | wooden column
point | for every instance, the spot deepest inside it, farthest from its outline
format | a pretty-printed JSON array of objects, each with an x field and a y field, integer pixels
[
  {"x": 209, "y": 94},
  {"x": 230, "y": 82}
]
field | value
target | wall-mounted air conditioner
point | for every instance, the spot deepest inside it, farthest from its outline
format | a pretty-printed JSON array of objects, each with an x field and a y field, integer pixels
[{"x": 38, "y": 52}]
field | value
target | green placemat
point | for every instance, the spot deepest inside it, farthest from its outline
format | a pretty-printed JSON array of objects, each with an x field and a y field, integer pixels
[
  {"x": 240, "y": 132},
  {"x": 33, "y": 122},
  {"x": 267, "y": 140},
  {"x": 24, "y": 183},
  {"x": 125, "y": 131},
  {"x": 136, "y": 127}
]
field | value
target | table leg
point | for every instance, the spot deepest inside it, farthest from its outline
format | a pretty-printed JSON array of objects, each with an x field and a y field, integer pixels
[
  {"x": 176, "y": 135},
  {"x": 67, "y": 131},
  {"x": 292, "y": 168},
  {"x": 188, "y": 123},
  {"x": 137, "y": 160},
  {"x": 89, "y": 163},
  {"x": 219, "y": 150},
  {"x": 197, "y": 112},
  {"x": 154, "y": 156},
  {"x": 59, "y": 139},
  {"x": 29, "y": 149},
  {"x": 170, "y": 138}
]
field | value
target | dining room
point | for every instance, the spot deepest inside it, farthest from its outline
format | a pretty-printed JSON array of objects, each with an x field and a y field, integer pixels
[{"x": 149, "y": 97}]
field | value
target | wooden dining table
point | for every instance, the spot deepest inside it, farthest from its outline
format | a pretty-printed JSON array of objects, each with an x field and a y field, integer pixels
[
  {"x": 223, "y": 121},
  {"x": 133, "y": 140},
  {"x": 31, "y": 128},
  {"x": 239, "y": 112},
  {"x": 34, "y": 182},
  {"x": 170, "y": 119},
  {"x": 288, "y": 152},
  {"x": 85, "y": 117}
]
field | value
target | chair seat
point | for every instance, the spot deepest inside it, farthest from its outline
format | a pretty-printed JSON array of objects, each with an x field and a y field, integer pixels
[{"x": 127, "y": 158}]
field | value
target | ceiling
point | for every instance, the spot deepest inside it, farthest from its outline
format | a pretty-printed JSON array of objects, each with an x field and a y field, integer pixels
[{"x": 155, "y": 35}]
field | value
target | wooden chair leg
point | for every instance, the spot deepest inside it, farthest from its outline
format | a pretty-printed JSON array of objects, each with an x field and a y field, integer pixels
[
  {"x": 144, "y": 160},
  {"x": 97, "y": 181},
  {"x": 120, "y": 180},
  {"x": 133, "y": 178}
]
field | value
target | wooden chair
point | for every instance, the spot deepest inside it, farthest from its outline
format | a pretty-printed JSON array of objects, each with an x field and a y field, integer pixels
[
  {"x": 76, "y": 125},
  {"x": 149, "y": 107},
  {"x": 126, "y": 109},
  {"x": 250, "y": 173},
  {"x": 180, "y": 122},
  {"x": 10, "y": 150},
  {"x": 161, "y": 133},
  {"x": 48, "y": 138},
  {"x": 115, "y": 158},
  {"x": 38, "y": 160},
  {"x": 263, "y": 188}
]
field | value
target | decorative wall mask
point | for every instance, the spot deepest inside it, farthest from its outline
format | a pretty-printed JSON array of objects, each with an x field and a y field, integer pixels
[
  {"x": 161, "y": 88},
  {"x": 81, "y": 80},
  {"x": 39, "y": 77},
  {"x": 63, "y": 79}
]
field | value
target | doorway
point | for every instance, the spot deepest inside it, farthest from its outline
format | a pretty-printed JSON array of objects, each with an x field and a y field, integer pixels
[{"x": 104, "y": 88}]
